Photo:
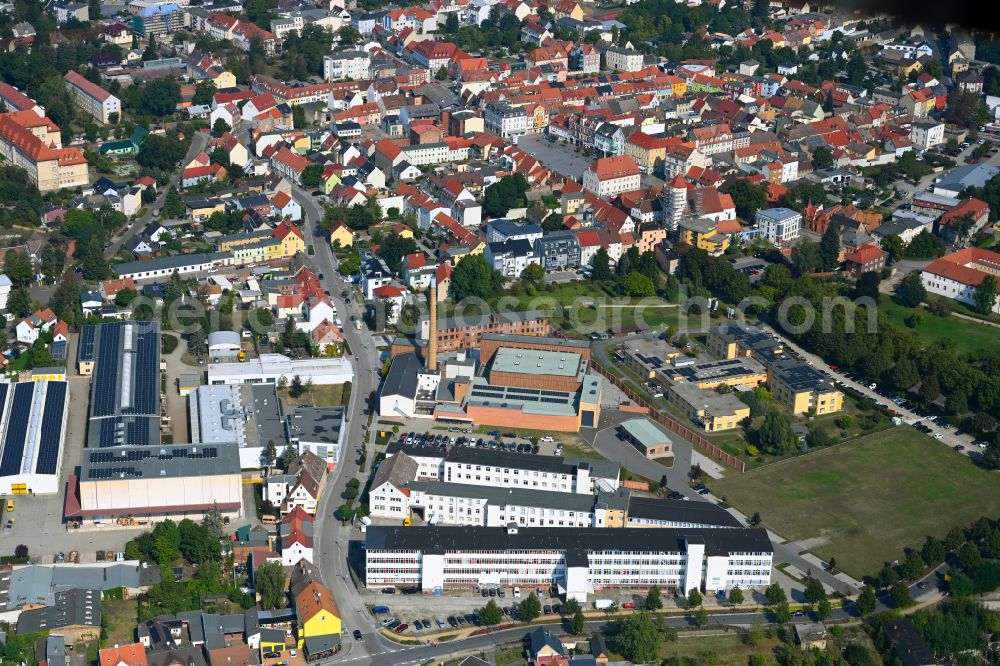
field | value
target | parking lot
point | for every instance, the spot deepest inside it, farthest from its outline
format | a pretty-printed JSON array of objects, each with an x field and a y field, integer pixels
[{"x": 565, "y": 160}]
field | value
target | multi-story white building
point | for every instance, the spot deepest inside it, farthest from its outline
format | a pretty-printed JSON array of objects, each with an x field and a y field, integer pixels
[
  {"x": 503, "y": 469},
  {"x": 779, "y": 225},
  {"x": 622, "y": 60},
  {"x": 510, "y": 257},
  {"x": 957, "y": 275},
  {"x": 578, "y": 561},
  {"x": 924, "y": 135},
  {"x": 353, "y": 65},
  {"x": 609, "y": 176},
  {"x": 506, "y": 121},
  {"x": 92, "y": 98}
]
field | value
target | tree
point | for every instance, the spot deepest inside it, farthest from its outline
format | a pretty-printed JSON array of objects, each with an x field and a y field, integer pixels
[
  {"x": 829, "y": 249},
  {"x": 910, "y": 291},
  {"x": 775, "y": 594},
  {"x": 776, "y": 435},
  {"x": 451, "y": 23},
  {"x": 295, "y": 390},
  {"x": 638, "y": 639},
  {"x": 653, "y": 602},
  {"x": 857, "y": 69},
  {"x": 822, "y": 158},
  {"x": 530, "y": 608},
  {"x": 474, "y": 277},
  {"x": 867, "y": 286},
  {"x": 490, "y": 615},
  {"x": 18, "y": 302},
  {"x": 925, "y": 245},
  {"x": 220, "y": 127},
  {"x": 814, "y": 591},
  {"x": 533, "y": 273},
  {"x": 969, "y": 556},
  {"x": 866, "y": 601},
  {"x": 348, "y": 35},
  {"x": 150, "y": 53},
  {"x": 173, "y": 205},
  {"x": 288, "y": 456},
  {"x": 961, "y": 586},
  {"x": 269, "y": 454},
  {"x": 159, "y": 98},
  {"x": 311, "y": 175},
  {"x": 859, "y": 654},
  {"x": 505, "y": 194},
  {"x": 905, "y": 374},
  {"x": 694, "y": 598},
  {"x": 900, "y": 594},
  {"x": 806, "y": 257},
  {"x": 577, "y": 621},
  {"x": 824, "y": 609},
  {"x": 985, "y": 296},
  {"x": 343, "y": 513},
  {"x": 748, "y": 198},
  {"x": 352, "y": 489},
  {"x": 441, "y": 74},
  {"x": 895, "y": 247},
  {"x": 782, "y": 613},
  {"x": 700, "y": 617},
  {"x": 269, "y": 582},
  {"x": 638, "y": 285},
  {"x": 932, "y": 551},
  {"x": 21, "y": 551},
  {"x": 160, "y": 152},
  {"x": 17, "y": 266},
  {"x": 600, "y": 269},
  {"x": 736, "y": 596},
  {"x": 197, "y": 343}
]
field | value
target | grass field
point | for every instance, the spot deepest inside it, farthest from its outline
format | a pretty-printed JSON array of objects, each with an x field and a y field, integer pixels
[
  {"x": 865, "y": 501},
  {"x": 718, "y": 649},
  {"x": 121, "y": 617},
  {"x": 326, "y": 395},
  {"x": 967, "y": 336}
]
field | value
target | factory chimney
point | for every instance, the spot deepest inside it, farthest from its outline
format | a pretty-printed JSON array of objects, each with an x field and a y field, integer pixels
[{"x": 432, "y": 339}]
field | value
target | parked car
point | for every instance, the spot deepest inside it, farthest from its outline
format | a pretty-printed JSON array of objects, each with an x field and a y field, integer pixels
[
  {"x": 401, "y": 628},
  {"x": 629, "y": 604},
  {"x": 380, "y": 610},
  {"x": 357, "y": 635}
]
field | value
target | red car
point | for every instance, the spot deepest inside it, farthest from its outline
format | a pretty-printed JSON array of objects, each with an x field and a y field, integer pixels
[
  {"x": 401, "y": 628},
  {"x": 628, "y": 604}
]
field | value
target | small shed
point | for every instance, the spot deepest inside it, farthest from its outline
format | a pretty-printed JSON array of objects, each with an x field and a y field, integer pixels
[
  {"x": 646, "y": 437},
  {"x": 811, "y": 635}
]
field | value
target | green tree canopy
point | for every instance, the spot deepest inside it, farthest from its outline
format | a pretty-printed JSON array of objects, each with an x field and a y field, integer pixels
[{"x": 474, "y": 277}]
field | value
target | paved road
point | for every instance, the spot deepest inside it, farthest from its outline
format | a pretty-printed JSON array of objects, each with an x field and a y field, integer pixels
[
  {"x": 948, "y": 437},
  {"x": 198, "y": 143},
  {"x": 333, "y": 539}
]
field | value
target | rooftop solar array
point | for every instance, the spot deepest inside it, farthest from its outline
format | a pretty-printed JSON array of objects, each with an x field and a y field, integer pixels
[
  {"x": 138, "y": 462},
  {"x": 125, "y": 390},
  {"x": 31, "y": 427}
]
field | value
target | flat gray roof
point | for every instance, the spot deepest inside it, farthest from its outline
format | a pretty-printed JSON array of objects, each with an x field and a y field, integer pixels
[
  {"x": 536, "y": 362},
  {"x": 645, "y": 432},
  {"x": 168, "y": 460}
]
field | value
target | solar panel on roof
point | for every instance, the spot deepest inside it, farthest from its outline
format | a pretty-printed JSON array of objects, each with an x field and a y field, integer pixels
[
  {"x": 51, "y": 432},
  {"x": 17, "y": 427}
]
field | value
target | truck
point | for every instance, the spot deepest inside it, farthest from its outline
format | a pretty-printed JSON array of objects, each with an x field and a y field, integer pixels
[{"x": 603, "y": 604}]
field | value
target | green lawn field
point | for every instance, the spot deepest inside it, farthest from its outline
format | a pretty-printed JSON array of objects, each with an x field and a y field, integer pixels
[
  {"x": 968, "y": 336},
  {"x": 865, "y": 501}
]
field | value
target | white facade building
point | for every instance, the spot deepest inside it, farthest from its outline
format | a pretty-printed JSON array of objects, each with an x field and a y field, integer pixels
[
  {"x": 270, "y": 368},
  {"x": 352, "y": 65},
  {"x": 578, "y": 561},
  {"x": 506, "y": 121},
  {"x": 779, "y": 225},
  {"x": 926, "y": 135}
]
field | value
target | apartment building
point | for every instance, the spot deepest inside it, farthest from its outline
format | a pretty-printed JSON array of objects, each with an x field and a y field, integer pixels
[
  {"x": 506, "y": 121},
  {"x": 802, "y": 388},
  {"x": 609, "y": 176},
  {"x": 92, "y": 98},
  {"x": 34, "y": 143},
  {"x": 351, "y": 65},
  {"x": 558, "y": 251},
  {"x": 622, "y": 59},
  {"x": 713, "y": 412},
  {"x": 578, "y": 561}
]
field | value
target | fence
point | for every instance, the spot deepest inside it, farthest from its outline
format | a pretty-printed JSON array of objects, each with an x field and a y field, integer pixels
[{"x": 669, "y": 423}]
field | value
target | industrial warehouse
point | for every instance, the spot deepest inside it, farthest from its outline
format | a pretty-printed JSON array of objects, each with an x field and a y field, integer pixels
[
  {"x": 32, "y": 431},
  {"x": 154, "y": 482},
  {"x": 577, "y": 561},
  {"x": 537, "y": 382},
  {"x": 123, "y": 359}
]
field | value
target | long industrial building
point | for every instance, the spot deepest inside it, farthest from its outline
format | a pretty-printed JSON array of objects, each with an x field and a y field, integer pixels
[
  {"x": 270, "y": 368},
  {"x": 504, "y": 469},
  {"x": 123, "y": 359},
  {"x": 154, "y": 482},
  {"x": 440, "y": 503},
  {"x": 32, "y": 431},
  {"x": 578, "y": 561}
]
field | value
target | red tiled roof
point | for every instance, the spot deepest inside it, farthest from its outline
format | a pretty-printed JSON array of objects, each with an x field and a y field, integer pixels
[
  {"x": 606, "y": 168},
  {"x": 87, "y": 86}
]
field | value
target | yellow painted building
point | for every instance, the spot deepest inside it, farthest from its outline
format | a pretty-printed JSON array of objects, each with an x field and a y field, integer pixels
[
  {"x": 803, "y": 389},
  {"x": 703, "y": 233},
  {"x": 713, "y": 412},
  {"x": 345, "y": 237},
  {"x": 52, "y": 374},
  {"x": 317, "y": 614},
  {"x": 202, "y": 209},
  {"x": 225, "y": 79}
]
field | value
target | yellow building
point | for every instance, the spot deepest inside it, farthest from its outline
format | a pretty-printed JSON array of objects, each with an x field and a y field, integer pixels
[
  {"x": 318, "y": 619},
  {"x": 52, "y": 374},
  {"x": 703, "y": 233},
  {"x": 712, "y": 374},
  {"x": 735, "y": 339},
  {"x": 202, "y": 209},
  {"x": 645, "y": 364},
  {"x": 343, "y": 236},
  {"x": 713, "y": 412},
  {"x": 224, "y": 79},
  {"x": 291, "y": 239},
  {"x": 803, "y": 389}
]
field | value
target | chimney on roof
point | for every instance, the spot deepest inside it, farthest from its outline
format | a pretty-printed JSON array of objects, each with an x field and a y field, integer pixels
[{"x": 432, "y": 338}]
